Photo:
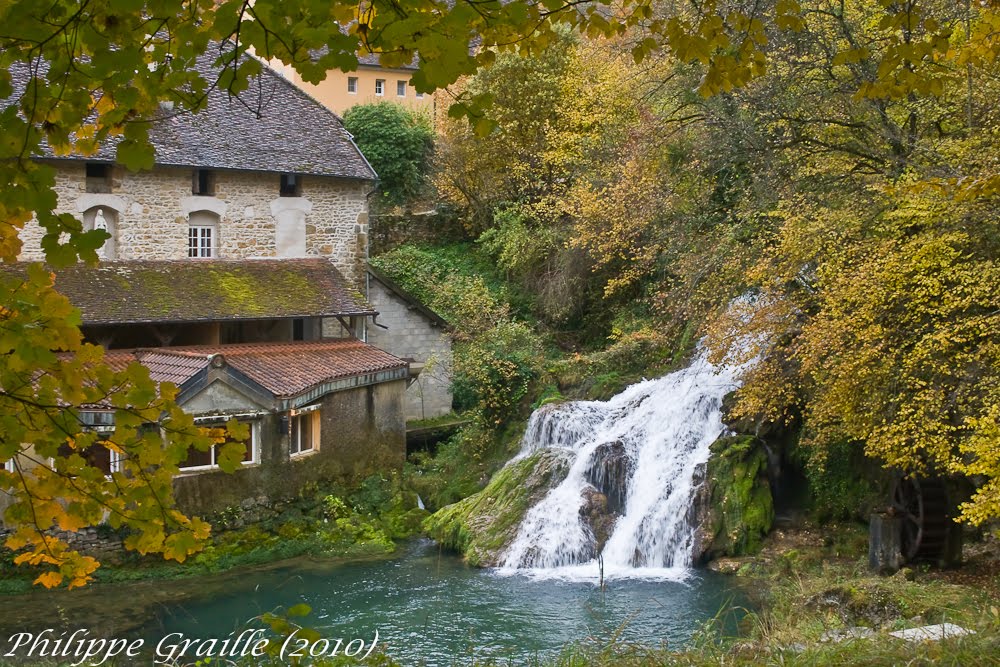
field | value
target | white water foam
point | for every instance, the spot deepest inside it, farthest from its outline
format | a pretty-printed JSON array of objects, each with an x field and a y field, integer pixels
[{"x": 660, "y": 432}]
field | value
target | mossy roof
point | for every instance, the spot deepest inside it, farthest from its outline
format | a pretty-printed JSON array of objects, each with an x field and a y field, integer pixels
[{"x": 135, "y": 292}]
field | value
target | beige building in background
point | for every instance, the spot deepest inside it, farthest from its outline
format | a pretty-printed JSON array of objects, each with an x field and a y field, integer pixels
[{"x": 371, "y": 82}]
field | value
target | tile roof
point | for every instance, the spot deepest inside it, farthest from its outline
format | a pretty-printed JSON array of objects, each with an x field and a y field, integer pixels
[
  {"x": 176, "y": 367},
  {"x": 372, "y": 60},
  {"x": 283, "y": 369},
  {"x": 164, "y": 364},
  {"x": 272, "y": 126},
  {"x": 287, "y": 369},
  {"x": 202, "y": 290}
]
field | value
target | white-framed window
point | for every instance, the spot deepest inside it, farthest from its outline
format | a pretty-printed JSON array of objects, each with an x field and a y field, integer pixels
[
  {"x": 8, "y": 465},
  {"x": 352, "y": 85},
  {"x": 380, "y": 87},
  {"x": 98, "y": 455},
  {"x": 101, "y": 421},
  {"x": 304, "y": 425},
  {"x": 201, "y": 241},
  {"x": 419, "y": 96},
  {"x": 198, "y": 460},
  {"x": 203, "y": 233},
  {"x": 401, "y": 88}
]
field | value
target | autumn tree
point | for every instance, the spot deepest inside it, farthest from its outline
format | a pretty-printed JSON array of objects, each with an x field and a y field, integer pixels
[
  {"x": 78, "y": 74},
  {"x": 877, "y": 271},
  {"x": 891, "y": 83},
  {"x": 847, "y": 178}
]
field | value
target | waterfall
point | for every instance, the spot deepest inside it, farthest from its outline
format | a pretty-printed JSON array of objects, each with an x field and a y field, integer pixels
[{"x": 625, "y": 502}]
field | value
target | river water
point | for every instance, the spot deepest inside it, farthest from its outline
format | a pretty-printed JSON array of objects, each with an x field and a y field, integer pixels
[{"x": 427, "y": 607}]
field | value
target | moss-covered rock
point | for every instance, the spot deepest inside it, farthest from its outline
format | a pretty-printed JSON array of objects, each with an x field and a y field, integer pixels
[
  {"x": 483, "y": 525},
  {"x": 735, "y": 509}
]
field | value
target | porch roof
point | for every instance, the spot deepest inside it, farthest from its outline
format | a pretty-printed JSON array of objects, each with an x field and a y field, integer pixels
[{"x": 281, "y": 370}]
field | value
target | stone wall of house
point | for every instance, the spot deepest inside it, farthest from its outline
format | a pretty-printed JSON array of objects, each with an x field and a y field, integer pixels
[
  {"x": 362, "y": 431},
  {"x": 412, "y": 335},
  {"x": 151, "y": 213}
]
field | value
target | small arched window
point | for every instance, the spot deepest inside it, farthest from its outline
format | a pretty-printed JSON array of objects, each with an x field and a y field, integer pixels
[
  {"x": 105, "y": 218},
  {"x": 203, "y": 234}
]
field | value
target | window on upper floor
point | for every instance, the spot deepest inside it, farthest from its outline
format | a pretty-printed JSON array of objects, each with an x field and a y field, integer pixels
[
  {"x": 98, "y": 177},
  {"x": 352, "y": 85},
  {"x": 380, "y": 86},
  {"x": 304, "y": 430},
  {"x": 291, "y": 185},
  {"x": 419, "y": 96},
  {"x": 103, "y": 421},
  {"x": 203, "y": 182},
  {"x": 401, "y": 88},
  {"x": 203, "y": 234}
]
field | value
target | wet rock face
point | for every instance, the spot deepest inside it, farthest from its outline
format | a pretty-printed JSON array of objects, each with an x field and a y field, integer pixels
[
  {"x": 597, "y": 515},
  {"x": 482, "y": 525},
  {"x": 610, "y": 472},
  {"x": 733, "y": 508}
]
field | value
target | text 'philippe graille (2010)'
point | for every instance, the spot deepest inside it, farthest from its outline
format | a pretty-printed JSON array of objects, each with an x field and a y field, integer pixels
[{"x": 81, "y": 647}]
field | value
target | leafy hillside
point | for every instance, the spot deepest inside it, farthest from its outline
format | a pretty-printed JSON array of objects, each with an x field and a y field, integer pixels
[{"x": 612, "y": 214}]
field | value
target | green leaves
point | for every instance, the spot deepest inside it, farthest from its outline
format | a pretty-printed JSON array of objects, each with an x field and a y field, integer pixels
[
  {"x": 58, "y": 481},
  {"x": 89, "y": 72},
  {"x": 397, "y": 142}
]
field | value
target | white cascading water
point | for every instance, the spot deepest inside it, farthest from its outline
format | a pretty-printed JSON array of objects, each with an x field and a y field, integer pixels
[{"x": 659, "y": 432}]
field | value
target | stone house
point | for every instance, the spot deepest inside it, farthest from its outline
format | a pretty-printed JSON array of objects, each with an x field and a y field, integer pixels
[
  {"x": 236, "y": 268},
  {"x": 416, "y": 333}
]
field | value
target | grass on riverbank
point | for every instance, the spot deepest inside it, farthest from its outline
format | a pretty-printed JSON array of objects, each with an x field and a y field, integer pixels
[{"x": 328, "y": 522}]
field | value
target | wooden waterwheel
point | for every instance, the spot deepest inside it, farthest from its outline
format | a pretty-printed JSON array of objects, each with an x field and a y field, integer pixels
[{"x": 924, "y": 508}]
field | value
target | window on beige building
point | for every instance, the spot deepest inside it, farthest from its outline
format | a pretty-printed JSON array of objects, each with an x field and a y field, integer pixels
[
  {"x": 419, "y": 96},
  {"x": 101, "y": 454},
  {"x": 98, "y": 177},
  {"x": 352, "y": 85},
  {"x": 203, "y": 232},
  {"x": 203, "y": 182},
  {"x": 401, "y": 88},
  {"x": 380, "y": 86}
]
